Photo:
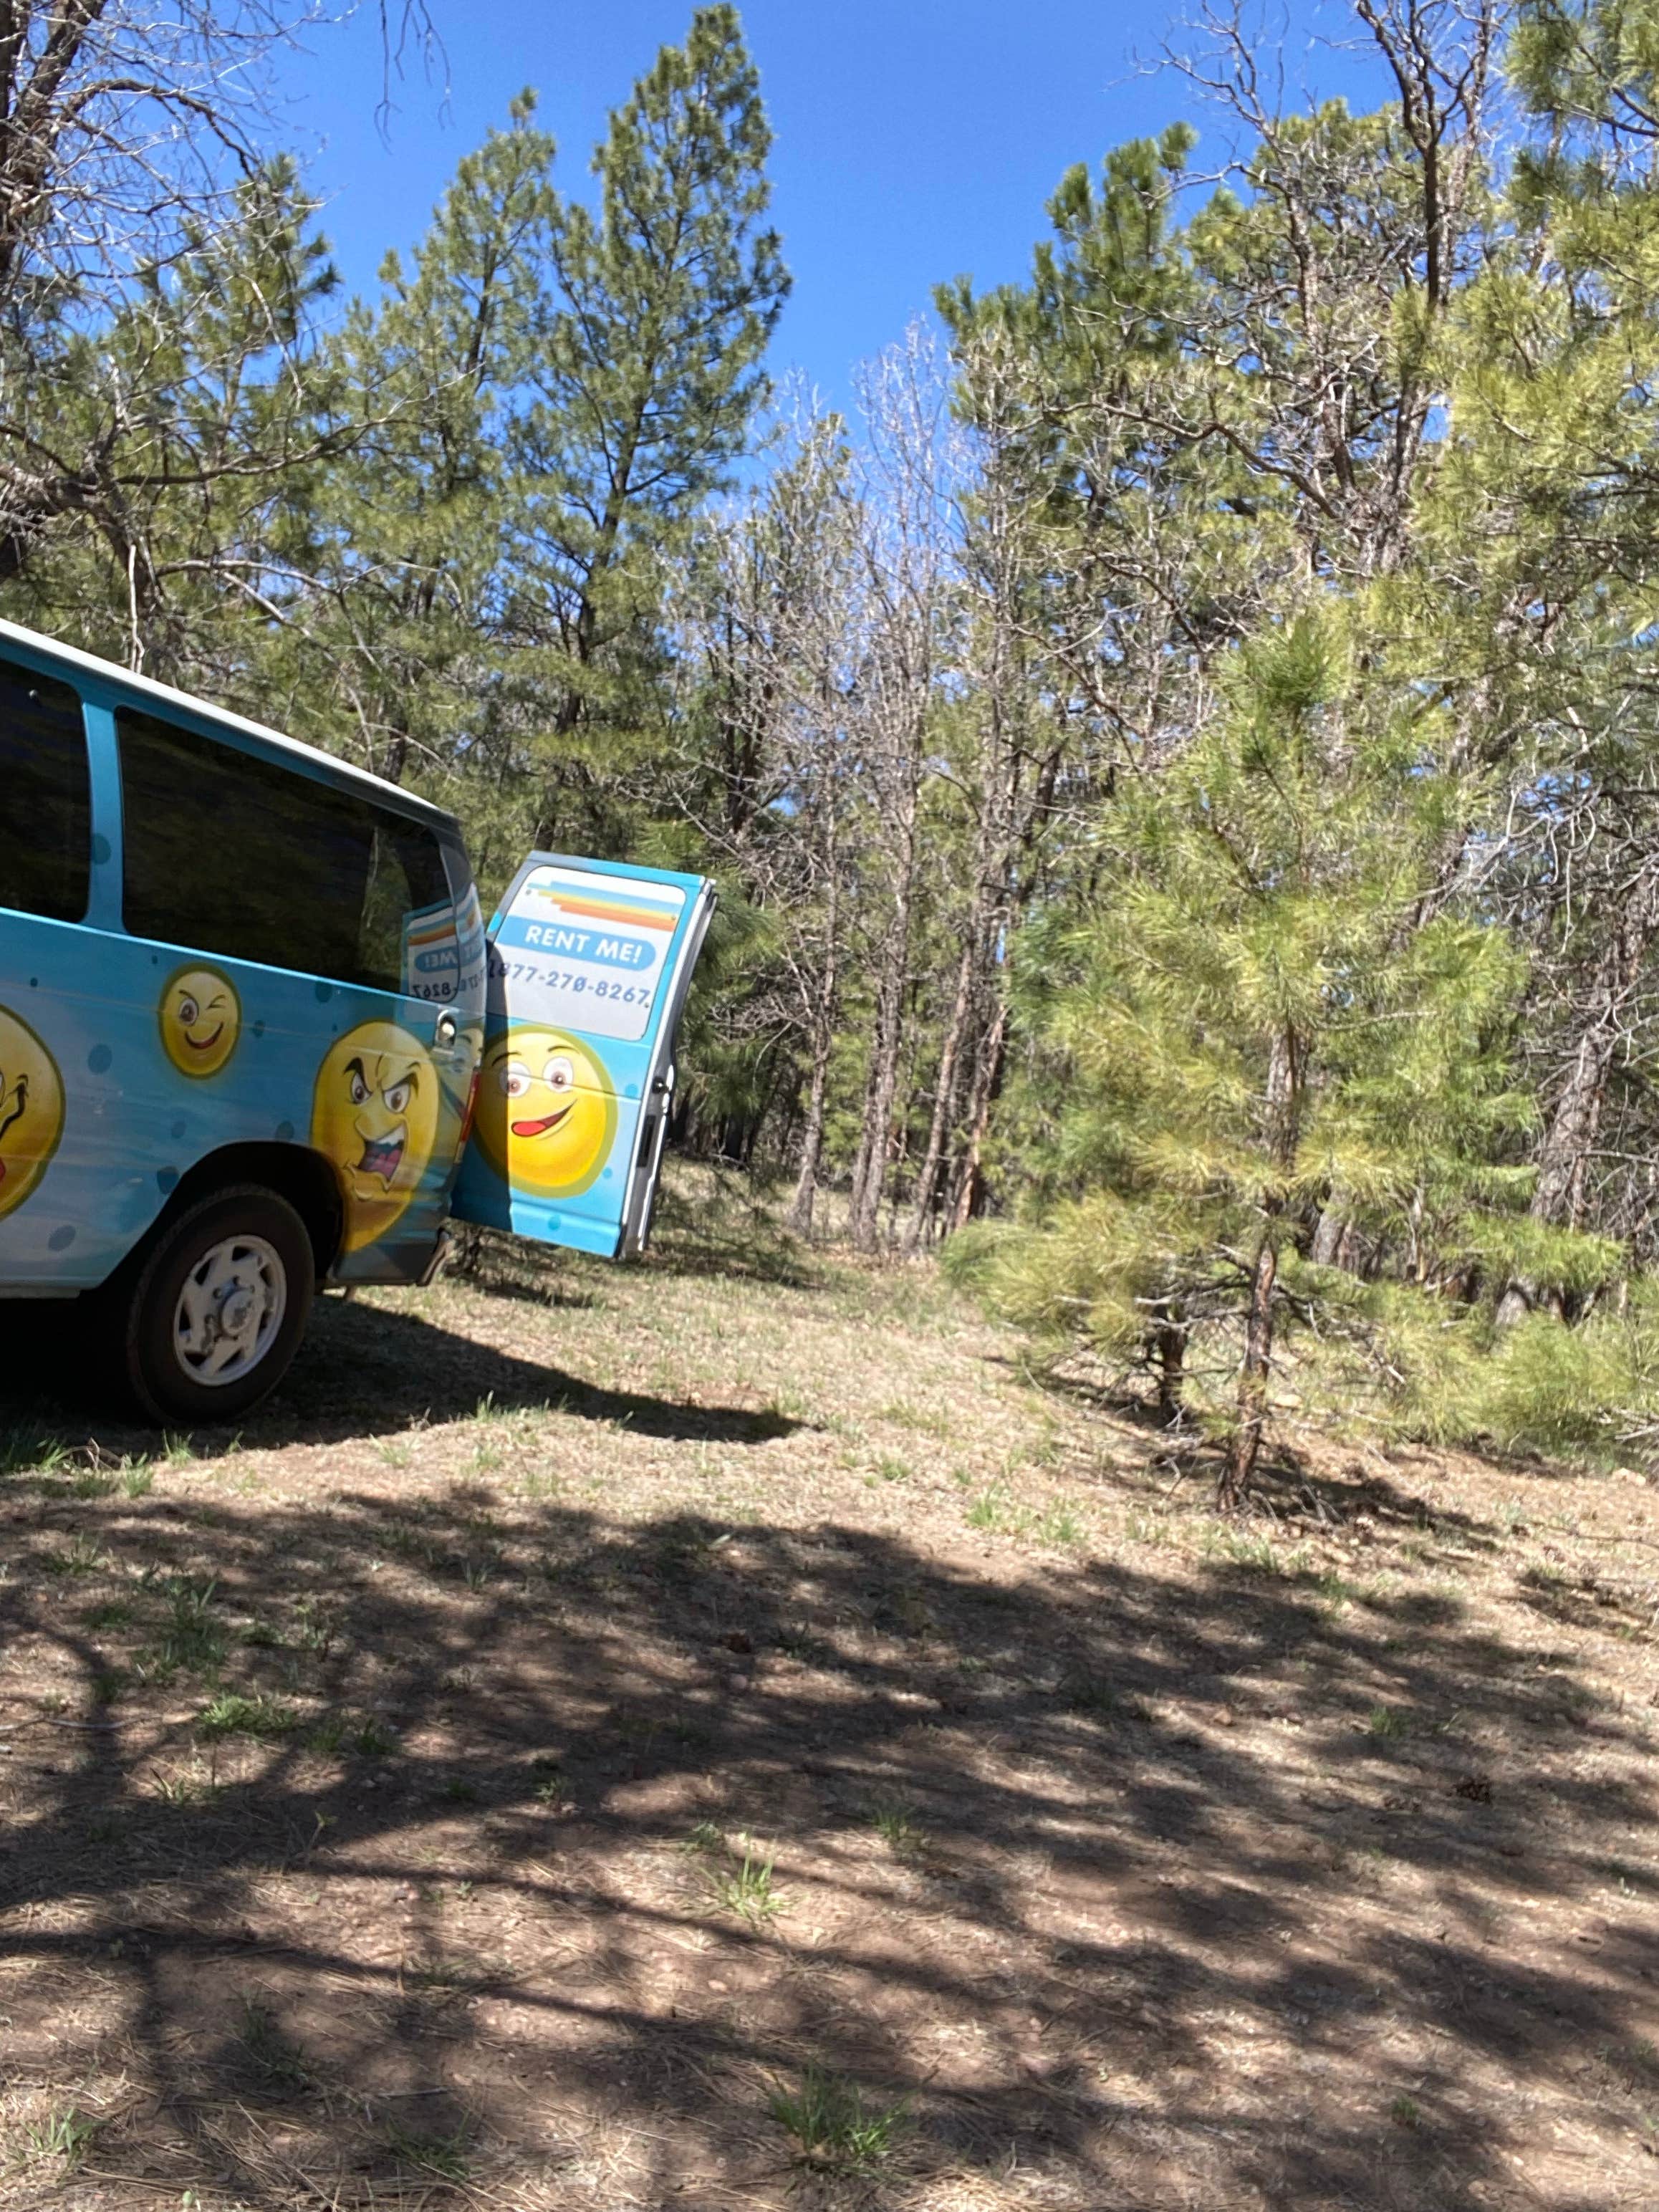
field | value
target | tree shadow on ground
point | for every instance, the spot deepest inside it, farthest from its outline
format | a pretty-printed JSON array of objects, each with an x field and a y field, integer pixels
[{"x": 439, "y": 1904}]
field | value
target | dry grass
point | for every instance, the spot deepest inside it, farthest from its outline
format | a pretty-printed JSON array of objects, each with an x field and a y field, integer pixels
[{"x": 378, "y": 1792}]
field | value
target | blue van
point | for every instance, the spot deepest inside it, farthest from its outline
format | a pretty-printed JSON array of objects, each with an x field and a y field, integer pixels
[{"x": 250, "y": 1011}]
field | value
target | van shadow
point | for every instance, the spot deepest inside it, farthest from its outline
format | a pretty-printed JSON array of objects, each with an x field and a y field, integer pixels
[{"x": 364, "y": 1370}]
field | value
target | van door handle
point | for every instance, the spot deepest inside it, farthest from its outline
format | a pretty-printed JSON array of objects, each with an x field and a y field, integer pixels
[{"x": 445, "y": 1033}]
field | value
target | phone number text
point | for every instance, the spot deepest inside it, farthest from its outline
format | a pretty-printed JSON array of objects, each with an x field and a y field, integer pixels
[{"x": 569, "y": 979}]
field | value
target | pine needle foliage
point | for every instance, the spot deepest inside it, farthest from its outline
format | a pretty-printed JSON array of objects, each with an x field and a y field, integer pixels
[{"x": 1261, "y": 1015}]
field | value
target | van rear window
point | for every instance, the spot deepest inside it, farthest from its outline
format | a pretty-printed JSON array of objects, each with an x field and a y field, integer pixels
[
  {"x": 227, "y": 852},
  {"x": 46, "y": 800}
]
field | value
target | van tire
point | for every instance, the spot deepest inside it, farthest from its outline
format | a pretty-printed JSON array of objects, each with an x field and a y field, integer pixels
[{"x": 235, "y": 1272}]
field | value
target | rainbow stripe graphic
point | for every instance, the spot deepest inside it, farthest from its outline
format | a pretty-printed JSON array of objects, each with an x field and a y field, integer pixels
[
  {"x": 624, "y": 909},
  {"x": 422, "y": 930}
]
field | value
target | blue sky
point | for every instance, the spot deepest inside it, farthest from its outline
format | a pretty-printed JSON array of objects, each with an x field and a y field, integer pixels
[{"x": 915, "y": 140}]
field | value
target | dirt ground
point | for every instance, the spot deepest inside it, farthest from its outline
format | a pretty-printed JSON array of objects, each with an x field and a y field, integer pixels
[{"x": 716, "y": 1733}]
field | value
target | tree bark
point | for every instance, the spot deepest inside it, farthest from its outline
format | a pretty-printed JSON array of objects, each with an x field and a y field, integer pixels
[
  {"x": 870, "y": 1179},
  {"x": 1171, "y": 1362},
  {"x": 1280, "y": 1129},
  {"x": 968, "y": 1190},
  {"x": 871, "y": 1176},
  {"x": 1245, "y": 1443},
  {"x": 945, "y": 1094},
  {"x": 799, "y": 1218},
  {"x": 1330, "y": 1237},
  {"x": 1564, "y": 1157}
]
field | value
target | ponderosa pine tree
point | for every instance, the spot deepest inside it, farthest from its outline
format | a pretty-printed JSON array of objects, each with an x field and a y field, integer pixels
[
  {"x": 644, "y": 377},
  {"x": 393, "y": 643},
  {"x": 1245, "y": 1015},
  {"x": 199, "y": 415},
  {"x": 1556, "y": 482}
]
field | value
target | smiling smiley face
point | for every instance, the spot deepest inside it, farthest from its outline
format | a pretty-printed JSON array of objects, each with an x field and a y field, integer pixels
[
  {"x": 201, "y": 1019},
  {"x": 374, "y": 1114},
  {"x": 30, "y": 1109},
  {"x": 547, "y": 1114}
]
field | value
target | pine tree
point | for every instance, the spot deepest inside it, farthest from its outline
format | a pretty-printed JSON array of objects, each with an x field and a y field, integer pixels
[
  {"x": 201, "y": 412},
  {"x": 395, "y": 646},
  {"x": 1245, "y": 1017},
  {"x": 646, "y": 373}
]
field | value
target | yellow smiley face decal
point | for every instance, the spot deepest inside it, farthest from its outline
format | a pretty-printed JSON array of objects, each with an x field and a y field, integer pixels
[
  {"x": 547, "y": 1114},
  {"x": 30, "y": 1109},
  {"x": 201, "y": 1019},
  {"x": 374, "y": 1114}
]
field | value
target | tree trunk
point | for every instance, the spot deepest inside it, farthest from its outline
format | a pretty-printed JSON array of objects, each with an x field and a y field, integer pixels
[
  {"x": 968, "y": 1190},
  {"x": 604, "y": 555},
  {"x": 863, "y": 1224},
  {"x": 861, "y": 1158},
  {"x": 996, "y": 837},
  {"x": 1171, "y": 1361},
  {"x": 1280, "y": 1129},
  {"x": 1563, "y": 1158},
  {"x": 945, "y": 1094},
  {"x": 1246, "y": 1439},
  {"x": 1330, "y": 1237},
  {"x": 820, "y": 987},
  {"x": 799, "y": 1218},
  {"x": 872, "y": 1175}
]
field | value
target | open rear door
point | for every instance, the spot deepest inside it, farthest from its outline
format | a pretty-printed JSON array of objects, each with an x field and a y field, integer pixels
[{"x": 589, "y": 963}]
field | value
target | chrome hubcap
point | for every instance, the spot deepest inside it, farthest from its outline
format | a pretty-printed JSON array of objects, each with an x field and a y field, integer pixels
[{"x": 229, "y": 1310}]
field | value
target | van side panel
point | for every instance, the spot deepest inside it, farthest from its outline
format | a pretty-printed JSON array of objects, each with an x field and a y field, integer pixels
[
  {"x": 135, "y": 1059},
  {"x": 108, "y": 1011}
]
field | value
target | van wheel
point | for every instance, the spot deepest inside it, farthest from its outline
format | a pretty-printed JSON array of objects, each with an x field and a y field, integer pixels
[{"x": 216, "y": 1313}]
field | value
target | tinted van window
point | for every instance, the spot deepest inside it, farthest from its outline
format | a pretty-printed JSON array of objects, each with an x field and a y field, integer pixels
[
  {"x": 45, "y": 798},
  {"x": 230, "y": 853}
]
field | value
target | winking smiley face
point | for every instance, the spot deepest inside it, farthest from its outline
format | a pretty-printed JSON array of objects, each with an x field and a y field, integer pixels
[
  {"x": 374, "y": 1114},
  {"x": 547, "y": 1114},
  {"x": 201, "y": 1019}
]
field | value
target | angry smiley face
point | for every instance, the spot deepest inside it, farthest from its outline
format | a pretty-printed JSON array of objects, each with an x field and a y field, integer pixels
[
  {"x": 30, "y": 1109},
  {"x": 374, "y": 1114}
]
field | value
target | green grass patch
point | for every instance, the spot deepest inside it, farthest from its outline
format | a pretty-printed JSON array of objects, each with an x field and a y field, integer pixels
[
  {"x": 26, "y": 1451},
  {"x": 835, "y": 2128},
  {"x": 448, "y": 2157},
  {"x": 63, "y": 2134},
  {"x": 896, "y": 1826},
  {"x": 737, "y": 1878},
  {"x": 230, "y": 1713}
]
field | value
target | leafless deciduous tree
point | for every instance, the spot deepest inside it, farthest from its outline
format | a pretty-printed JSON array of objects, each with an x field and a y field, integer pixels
[
  {"x": 771, "y": 628},
  {"x": 911, "y": 464},
  {"x": 1008, "y": 762}
]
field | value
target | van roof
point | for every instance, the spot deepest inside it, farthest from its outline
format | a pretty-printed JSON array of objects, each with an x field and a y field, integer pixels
[{"x": 166, "y": 695}]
